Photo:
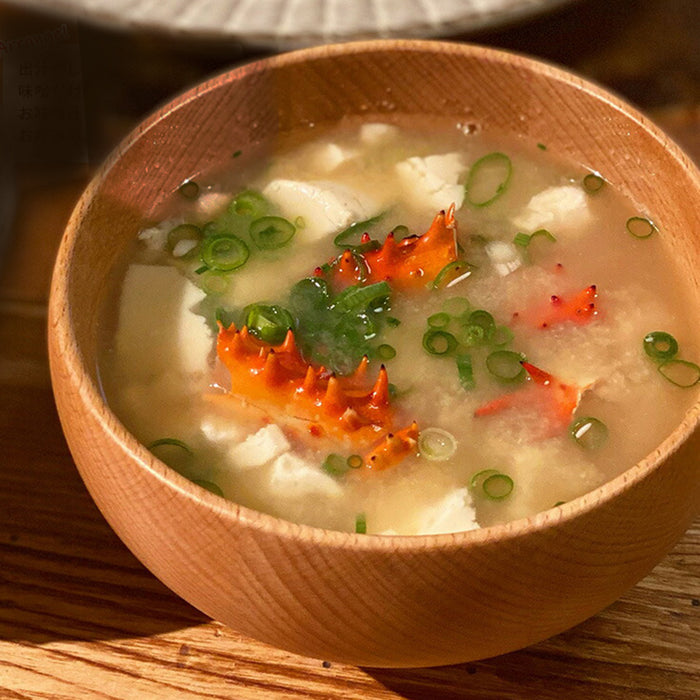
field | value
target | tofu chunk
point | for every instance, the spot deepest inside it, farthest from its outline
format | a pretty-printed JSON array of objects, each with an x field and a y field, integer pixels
[
  {"x": 453, "y": 513},
  {"x": 504, "y": 256},
  {"x": 433, "y": 182},
  {"x": 259, "y": 448},
  {"x": 157, "y": 330},
  {"x": 562, "y": 209},
  {"x": 296, "y": 478},
  {"x": 377, "y": 133},
  {"x": 325, "y": 207}
]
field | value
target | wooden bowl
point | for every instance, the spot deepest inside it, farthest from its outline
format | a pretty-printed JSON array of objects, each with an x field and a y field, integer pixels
[{"x": 372, "y": 600}]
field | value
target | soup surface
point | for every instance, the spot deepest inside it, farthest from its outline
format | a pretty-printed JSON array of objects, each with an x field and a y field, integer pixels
[{"x": 389, "y": 331}]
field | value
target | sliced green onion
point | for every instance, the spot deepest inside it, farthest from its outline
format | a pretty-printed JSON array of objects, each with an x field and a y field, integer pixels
[
  {"x": 473, "y": 334},
  {"x": 640, "y": 227},
  {"x": 214, "y": 283},
  {"x": 300, "y": 222},
  {"x": 171, "y": 442},
  {"x": 465, "y": 371},
  {"x": 522, "y": 239},
  {"x": 453, "y": 273},
  {"x": 335, "y": 464},
  {"x": 502, "y": 335},
  {"x": 224, "y": 253},
  {"x": 488, "y": 179},
  {"x": 439, "y": 342},
  {"x": 269, "y": 323},
  {"x": 386, "y": 351},
  {"x": 593, "y": 182},
  {"x": 355, "y": 461},
  {"x": 660, "y": 345},
  {"x": 225, "y": 316},
  {"x": 344, "y": 238},
  {"x": 189, "y": 189},
  {"x": 542, "y": 146},
  {"x": 589, "y": 433},
  {"x": 497, "y": 486},
  {"x": 456, "y": 306},
  {"x": 249, "y": 203},
  {"x": 506, "y": 365},
  {"x": 682, "y": 373},
  {"x": 436, "y": 444},
  {"x": 271, "y": 232},
  {"x": 209, "y": 486},
  {"x": 439, "y": 320},
  {"x": 477, "y": 481},
  {"x": 393, "y": 321},
  {"x": 186, "y": 233},
  {"x": 359, "y": 298},
  {"x": 237, "y": 154},
  {"x": 361, "y": 524}
]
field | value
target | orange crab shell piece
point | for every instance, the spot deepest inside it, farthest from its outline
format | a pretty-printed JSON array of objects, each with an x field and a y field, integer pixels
[
  {"x": 555, "y": 401},
  {"x": 580, "y": 308},
  {"x": 394, "y": 448},
  {"x": 277, "y": 379},
  {"x": 408, "y": 264}
]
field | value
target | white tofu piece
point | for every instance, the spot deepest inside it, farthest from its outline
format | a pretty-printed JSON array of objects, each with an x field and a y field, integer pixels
[
  {"x": 156, "y": 237},
  {"x": 327, "y": 157},
  {"x": 453, "y": 513},
  {"x": 563, "y": 209},
  {"x": 433, "y": 182},
  {"x": 157, "y": 330},
  {"x": 325, "y": 207},
  {"x": 211, "y": 204},
  {"x": 376, "y": 133},
  {"x": 504, "y": 256},
  {"x": 221, "y": 429},
  {"x": 294, "y": 477},
  {"x": 259, "y": 448}
]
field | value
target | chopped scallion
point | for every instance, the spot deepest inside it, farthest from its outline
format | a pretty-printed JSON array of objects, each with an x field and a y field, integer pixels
[
  {"x": 209, "y": 486},
  {"x": 590, "y": 433},
  {"x": 271, "y": 232},
  {"x": 355, "y": 231},
  {"x": 386, "y": 351},
  {"x": 465, "y": 371},
  {"x": 439, "y": 320},
  {"x": 477, "y": 481},
  {"x": 640, "y": 227},
  {"x": 453, "y": 273},
  {"x": 682, "y": 373},
  {"x": 171, "y": 442},
  {"x": 184, "y": 233},
  {"x": 660, "y": 345},
  {"x": 593, "y": 182},
  {"x": 497, "y": 486},
  {"x": 488, "y": 179},
  {"x": 436, "y": 444},
  {"x": 506, "y": 365},
  {"x": 456, "y": 306},
  {"x": 439, "y": 342},
  {"x": 224, "y": 253},
  {"x": 189, "y": 189},
  {"x": 361, "y": 524},
  {"x": 355, "y": 461},
  {"x": 269, "y": 323},
  {"x": 502, "y": 335},
  {"x": 250, "y": 204},
  {"x": 335, "y": 464}
]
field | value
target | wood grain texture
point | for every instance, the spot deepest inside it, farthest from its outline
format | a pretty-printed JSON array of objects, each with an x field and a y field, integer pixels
[{"x": 80, "y": 617}]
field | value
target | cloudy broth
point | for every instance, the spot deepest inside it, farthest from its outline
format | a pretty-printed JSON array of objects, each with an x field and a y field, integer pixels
[{"x": 511, "y": 378}]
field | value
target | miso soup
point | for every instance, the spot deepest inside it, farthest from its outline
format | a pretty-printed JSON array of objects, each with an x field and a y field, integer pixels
[{"x": 391, "y": 330}]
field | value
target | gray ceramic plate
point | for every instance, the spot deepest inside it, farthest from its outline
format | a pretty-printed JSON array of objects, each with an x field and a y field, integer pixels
[{"x": 286, "y": 24}]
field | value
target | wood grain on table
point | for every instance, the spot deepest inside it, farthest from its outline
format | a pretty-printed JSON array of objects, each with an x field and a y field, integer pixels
[{"x": 80, "y": 617}]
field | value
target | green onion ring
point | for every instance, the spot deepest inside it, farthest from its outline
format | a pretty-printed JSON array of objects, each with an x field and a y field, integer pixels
[
  {"x": 477, "y": 480},
  {"x": 593, "y": 182},
  {"x": 453, "y": 273},
  {"x": 170, "y": 442},
  {"x": 479, "y": 173},
  {"x": 224, "y": 253},
  {"x": 590, "y": 433},
  {"x": 497, "y": 486},
  {"x": 436, "y": 444},
  {"x": 640, "y": 227},
  {"x": 660, "y": 345},
  {"x": 271, "y": 232},
  {"x": 465, "y": 371},
  {"x": 386, "y": 351},
  {"x": 361, "y": 524},
  {"x": 355, "y": 461},
  {"x": 682, "y": 373},
  {"x": 335, "y": 464},
  {"x": 439, "y": 320},
  {"x": 439, "y": 342},
  {"x": 250, "y": 204},
  {"x": 506, "y": 365},
  {"x": 209, "y": 486}
]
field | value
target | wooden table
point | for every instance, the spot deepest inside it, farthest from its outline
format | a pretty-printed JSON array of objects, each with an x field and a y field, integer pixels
[{"x": 79, "y": 616}]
